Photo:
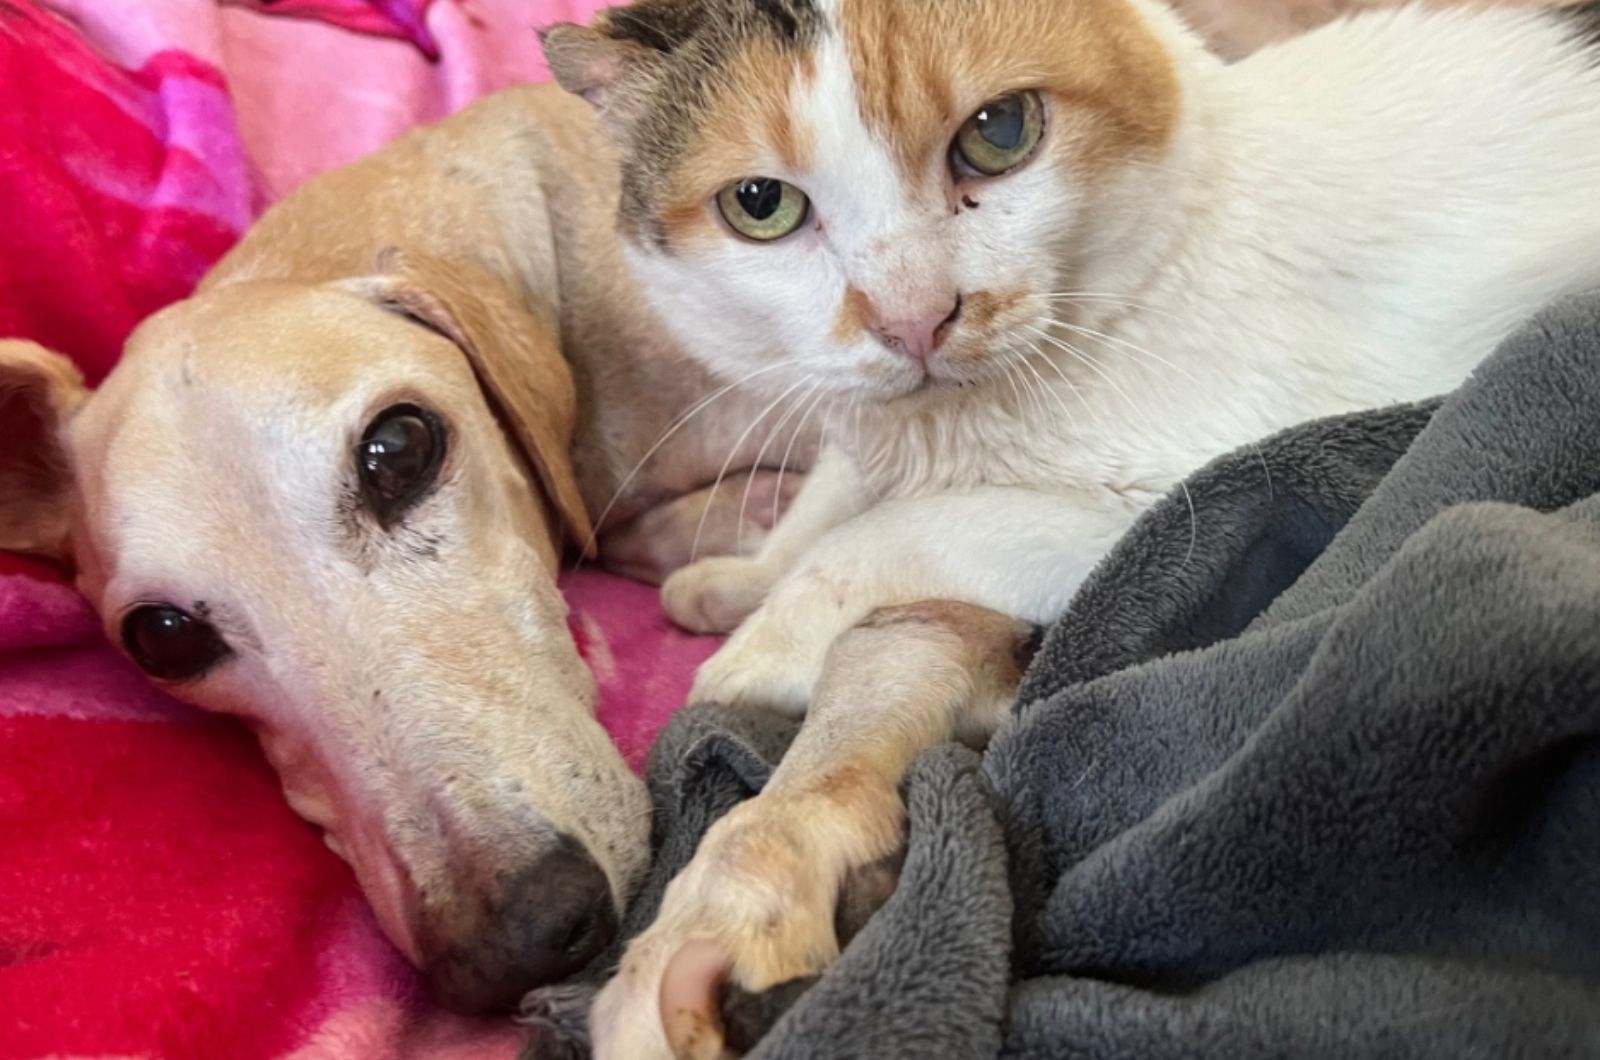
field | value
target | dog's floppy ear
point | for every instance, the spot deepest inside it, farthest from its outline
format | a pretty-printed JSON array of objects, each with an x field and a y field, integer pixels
[
  {"x": 515, "y": 355},
  {"x": 39, "y": 391}
]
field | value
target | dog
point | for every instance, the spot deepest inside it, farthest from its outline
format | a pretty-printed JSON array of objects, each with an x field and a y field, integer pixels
[{"x": 330, "y": 492}]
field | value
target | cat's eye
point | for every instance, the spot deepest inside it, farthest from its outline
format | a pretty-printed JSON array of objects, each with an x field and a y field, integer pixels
[
  {"x": 398, "y": 459},
  {"x": 763, "y": 209},
  {"x": 1000, "y": 136},
  {"x": 170, "y": 644}
]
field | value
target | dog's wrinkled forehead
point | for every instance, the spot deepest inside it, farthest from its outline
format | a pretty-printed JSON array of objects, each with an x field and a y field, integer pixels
[{"x": 248, "y": 402}]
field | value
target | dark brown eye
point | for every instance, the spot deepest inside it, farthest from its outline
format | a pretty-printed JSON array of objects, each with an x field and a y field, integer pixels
[
  {"x": 170, "y": 644},
  {"x": 398, "y": 459}
]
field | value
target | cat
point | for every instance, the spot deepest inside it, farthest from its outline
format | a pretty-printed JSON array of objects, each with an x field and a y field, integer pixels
[
  {"x": 1035, "y": 261},
  {"x": 1181, "y": 256}
]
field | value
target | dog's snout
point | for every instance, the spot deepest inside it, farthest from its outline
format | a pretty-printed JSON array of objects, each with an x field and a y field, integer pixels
[
  {"x": 567, "y": 909},
  {"x": 553, "y": 919}
]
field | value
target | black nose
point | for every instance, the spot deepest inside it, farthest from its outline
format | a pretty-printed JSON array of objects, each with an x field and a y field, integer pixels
[{"x": 552, "y": 919}]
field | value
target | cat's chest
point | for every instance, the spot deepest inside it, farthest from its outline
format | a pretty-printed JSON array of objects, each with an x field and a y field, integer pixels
[
  {"x": 1126, "y": 418},
  {"x": 1031, "y": 439}
]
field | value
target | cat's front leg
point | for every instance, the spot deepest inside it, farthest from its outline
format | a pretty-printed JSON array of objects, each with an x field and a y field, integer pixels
[
  {"x": 758, "y": 905},
  {"x": 1017, "y": 551},
  {"x": 901, "y": 628},
  {"x": 714, "y": 595}
]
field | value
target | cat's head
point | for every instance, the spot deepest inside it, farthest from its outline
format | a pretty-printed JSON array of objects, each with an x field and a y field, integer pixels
[{"x": 878, "y": 196}]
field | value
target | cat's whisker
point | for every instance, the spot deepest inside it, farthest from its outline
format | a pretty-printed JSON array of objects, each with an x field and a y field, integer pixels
[
  {"x": 673, "y": 428},
  {"x": 1111, "y": 297},
  {"x": 1077, "y": 391},
  {"x": 1183, "y": 486},
  {"x": 1131, "y": 347},
  {"x": 814, "y": 396},
  {"x": 1005, "y": 348},
  {"x": 1194, "y": 521},
  {"x": 755, "y": 465},
  {"x": 826, "y": 434},
  {"x": 1016, "y": 361},
  {"x": 855, "y": 434},
  {"x": 1095, "y": 367},
  {"x": 1048, "y": 389},
  {"x": 1008, "y": 372},
  {"x": 733, "y": 451},
  {"x": 1265, "y": 470},
  {"x": 1082, "y": 302}
]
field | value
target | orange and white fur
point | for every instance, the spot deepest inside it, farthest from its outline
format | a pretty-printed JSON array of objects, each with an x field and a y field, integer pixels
[{"x": 1023, "y": 354}]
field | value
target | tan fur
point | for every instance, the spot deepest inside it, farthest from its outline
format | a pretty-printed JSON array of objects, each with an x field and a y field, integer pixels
[
  {"x": 923, "y": 68},
  {"x": 38, "y": 393},
  {"x": 515, "y": 353},
  {"x": 983, "y": 308},
  {"x": 855, "y": 312},
  {"x": 421, "y": 697}
]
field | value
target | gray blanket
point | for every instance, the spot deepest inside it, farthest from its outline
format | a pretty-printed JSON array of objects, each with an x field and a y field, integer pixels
[{"x": 1313, "y": 774}]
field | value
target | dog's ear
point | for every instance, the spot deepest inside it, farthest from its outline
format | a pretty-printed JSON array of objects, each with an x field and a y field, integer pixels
[
  {"x": 39, "y": 391},
  {"x": 515, "y": 355},
  {"x": 591, "y": 61}
]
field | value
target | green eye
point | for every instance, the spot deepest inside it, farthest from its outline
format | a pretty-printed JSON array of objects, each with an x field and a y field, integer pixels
[
  {"x": 763, "y": 209},
  {"x": 1001, "y": 135}
]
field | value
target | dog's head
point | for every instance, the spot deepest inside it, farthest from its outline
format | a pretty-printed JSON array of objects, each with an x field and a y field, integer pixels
[{"x": 336, "y": 512}]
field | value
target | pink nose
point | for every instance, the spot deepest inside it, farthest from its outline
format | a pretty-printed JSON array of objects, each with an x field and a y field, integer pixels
[{"x": 918, "y": 334}]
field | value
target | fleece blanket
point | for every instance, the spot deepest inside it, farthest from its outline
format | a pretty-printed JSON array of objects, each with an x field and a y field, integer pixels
[
  {"x": 157, "y": 898},
  {"x": 1313, "y": 771}
]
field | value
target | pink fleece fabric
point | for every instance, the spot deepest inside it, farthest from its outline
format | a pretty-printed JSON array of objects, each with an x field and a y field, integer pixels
[{"x": 157, "y": 897}]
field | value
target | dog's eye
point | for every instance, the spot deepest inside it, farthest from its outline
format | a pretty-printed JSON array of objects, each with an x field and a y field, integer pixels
[
  {"x": 170, "y": 644},
  {"x": 398, "y": 459}
]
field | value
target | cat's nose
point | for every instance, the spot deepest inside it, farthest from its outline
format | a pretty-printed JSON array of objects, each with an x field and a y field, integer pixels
[{"x": 918, "y": 334}]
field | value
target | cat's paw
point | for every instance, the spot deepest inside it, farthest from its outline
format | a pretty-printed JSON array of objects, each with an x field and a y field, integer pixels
[
  {"x": 760, "y": 671},
  {"x": 753, "y": 909},
  {"x": 775, "y": 658},
  {"x": 715, "y": 595}
]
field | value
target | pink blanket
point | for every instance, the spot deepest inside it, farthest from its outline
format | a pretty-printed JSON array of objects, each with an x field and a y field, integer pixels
[{"x": 157, "y": 898}]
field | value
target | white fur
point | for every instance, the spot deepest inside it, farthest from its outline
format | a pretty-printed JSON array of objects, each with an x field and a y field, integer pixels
[{"x": 1353, "y": 218}]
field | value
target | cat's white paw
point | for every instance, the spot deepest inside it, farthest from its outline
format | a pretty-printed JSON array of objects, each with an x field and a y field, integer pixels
[
  {"x": 775, "y": 658},
  {"x": 762, "y": 667},
  {"x": 715, "y": 595}
]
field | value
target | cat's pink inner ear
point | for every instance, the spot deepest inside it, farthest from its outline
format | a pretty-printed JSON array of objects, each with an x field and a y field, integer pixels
[{"x": 585, "y": 61}]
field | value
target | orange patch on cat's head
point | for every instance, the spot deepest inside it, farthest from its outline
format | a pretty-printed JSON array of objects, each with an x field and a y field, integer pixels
[
  {"x": 923, "y": 66},
  {"x": 982, "y": 308},
  {"x": 855, "y": 312},
  {"x": 749, "y": 114}
]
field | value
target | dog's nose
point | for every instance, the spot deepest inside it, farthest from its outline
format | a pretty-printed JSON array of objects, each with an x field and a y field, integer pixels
[
  {"x": 553, "y": 920},
  {"x": 919, "y": 333}
]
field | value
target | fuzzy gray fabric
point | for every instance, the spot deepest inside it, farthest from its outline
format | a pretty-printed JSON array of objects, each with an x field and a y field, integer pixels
[{"x": 1313, "y": 774}]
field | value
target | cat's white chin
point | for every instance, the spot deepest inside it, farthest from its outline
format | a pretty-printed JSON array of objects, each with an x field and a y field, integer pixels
[{"x": 924, "y": 386}]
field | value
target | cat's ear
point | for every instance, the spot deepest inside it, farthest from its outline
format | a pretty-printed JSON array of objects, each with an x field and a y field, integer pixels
[
  {"x": 585, "y": 61},
  {"x": 591, "y": 61}
]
